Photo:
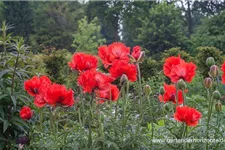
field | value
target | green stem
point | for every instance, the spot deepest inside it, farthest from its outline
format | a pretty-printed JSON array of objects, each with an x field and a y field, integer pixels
[
  {"x": 90, "y": 122},
  {"x": 14, "y": 73},
  {"x": 210, "y": 99},
  {"x": 141, "y": 99},
  {"x": 184, "y": 97}
]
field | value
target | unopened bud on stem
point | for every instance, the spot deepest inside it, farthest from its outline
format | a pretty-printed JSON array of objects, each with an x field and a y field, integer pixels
[
  {"x": 147, "y": 90},
  {"x": 216, "y": 95},
  {"x": 210, "y": 61},
  {"x": 181, "y": 85},
  {"x": 218, "y": 107},
  {"x": 161, "y": 90},
  {"x": 208, "y": 83},
  {"x": 213, "y": 71}
]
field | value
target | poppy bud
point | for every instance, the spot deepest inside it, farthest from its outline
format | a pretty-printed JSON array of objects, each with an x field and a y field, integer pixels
[
  {"x": 167, "y": 107},
  {"x": 161, "y": 90},
  {"x": 216, "y": 95},
  {"x": 208, "y": 82},
  {"x": 218, "y": 107},
  {"x": 132, "y": 59},
  {"x": 141, "y": 57},
  {"x": 123, "y": 79},
  {"x": 210, "y": 61},
  {"x": 213, "y": 71},
  {"x": 181, "y": 85},
  {"x": 147, "y": 90}
]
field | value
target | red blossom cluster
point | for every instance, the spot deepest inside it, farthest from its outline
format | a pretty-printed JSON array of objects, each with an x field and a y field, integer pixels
[
  {"x": 176, "y": 68},
  {"x": 170, "y": 94},
  {"x": 115, "y": 58},
  {"x": 46, "y": 92},
  {"x": 188, "y": 115}
]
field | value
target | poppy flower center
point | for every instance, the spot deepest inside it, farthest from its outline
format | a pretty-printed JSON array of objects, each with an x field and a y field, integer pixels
[{"x": 34, "y": 90}]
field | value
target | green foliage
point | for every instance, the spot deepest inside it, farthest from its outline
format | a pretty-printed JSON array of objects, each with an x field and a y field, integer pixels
[
  {"x": 203, "y": 53},
  {"x": 108, "y": 13},
  {"x": 13, "y": 72},
  {"x": 175, "y": 51},
  {"x": 211, "y": 32},
  {"x": 56, "y": 65},
  {"x": 149, "y": 67},
  {"x": 88, "y": 36},
  {"x": 54, "y": 23},
  {"x": 161, "y": 29},
  {"x": 20, "y": 15}
]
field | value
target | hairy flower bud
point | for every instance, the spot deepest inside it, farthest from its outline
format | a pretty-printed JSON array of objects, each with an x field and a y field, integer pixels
[
  {"x": 147, "y": 90},
  {"x": 208, "y": 82},
  {"x": 161, "y": 90},
  {"x": 213, "y": 71},
  {"x": 132, "y": 59},
  {"x": 141, "y": 57},
  {"x": 123, "y": 79},
  {"x": 218, "y": 107},
  {"x": 210, "y": 61},
  {"x": 181, "y": 85},
  {"x": 216, "y": 95}
]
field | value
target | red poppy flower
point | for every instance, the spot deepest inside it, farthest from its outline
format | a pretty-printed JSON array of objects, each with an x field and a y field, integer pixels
[
  {"x": 91, "y": 80},
  {"x": 123, "y": 67},
  {"x": 39, "y": 100},
  {"x": 83, "y": 62},
  {"x": 58, "y": 94},
  {"x": 111, "y": 93},
  {"x": 26, "y": 113},
  {"x": 136, "y": 52},
  {"x": 170, "y": 94},
  {"x": 115, "y": 51},
  {"x": 176, "y": 68},
  {"x": 36, "y": 85},
  {"x": 223, "y": 76},
  {"x": 188, "y": 115}
]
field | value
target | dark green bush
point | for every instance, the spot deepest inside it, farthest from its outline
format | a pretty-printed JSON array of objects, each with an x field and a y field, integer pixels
[
  {"x": 55, "y": 63},
  {"x": 203, "y": 53},
  {"x": 149, "y": 67}
]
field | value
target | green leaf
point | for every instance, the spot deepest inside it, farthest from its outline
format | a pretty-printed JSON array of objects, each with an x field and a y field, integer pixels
[
  {"x": 13, "y": 100},
  {"x": 5, "y": 125},
  {"x": 3, "y": 72},
  {"x": 3, "y": 95}
]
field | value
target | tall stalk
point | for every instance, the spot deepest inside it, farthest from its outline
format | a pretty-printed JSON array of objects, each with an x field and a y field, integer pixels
[{"x": 141, "y": 98}]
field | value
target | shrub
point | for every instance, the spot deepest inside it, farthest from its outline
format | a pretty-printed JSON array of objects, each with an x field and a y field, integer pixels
[{"x": 203, "y": 53}]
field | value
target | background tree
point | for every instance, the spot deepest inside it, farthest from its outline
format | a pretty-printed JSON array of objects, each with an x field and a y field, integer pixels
[
  {"x": 109, "y": 15},
  {"x": 88, "y": 36},
  {"x": 162, "y": 29},
  {"x": 20, "y": 15},
  {"x": 211, "y": 32},
  {"x": 54, "y": 23}
]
